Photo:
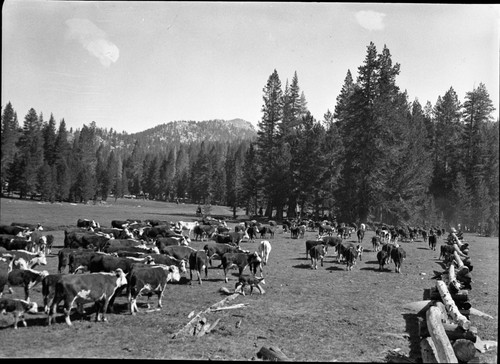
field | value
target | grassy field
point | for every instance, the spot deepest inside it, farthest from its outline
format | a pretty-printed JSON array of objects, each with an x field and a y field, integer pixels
[{"x": 328, "y": 314}]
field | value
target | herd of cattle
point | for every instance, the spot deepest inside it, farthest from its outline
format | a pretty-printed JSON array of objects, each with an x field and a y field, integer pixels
[{"x": 138, "y": 258}]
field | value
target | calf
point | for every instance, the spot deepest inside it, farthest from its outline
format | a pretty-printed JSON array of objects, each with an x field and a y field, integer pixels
[
  {"x": 26, "y": 278},
  {"x": 317, "y": 252},
  {"x": 97, "y": 288},
  {"x": 383, "y": 259},
  {"x": 241, "y": 261},
  {"x": 147, "y": 280},
  {"x": 17, "y": 307},
  {"x": 398, "y": 255},
  {"x": 252, "y": 281},
  {"x": 198, "y": 261}
]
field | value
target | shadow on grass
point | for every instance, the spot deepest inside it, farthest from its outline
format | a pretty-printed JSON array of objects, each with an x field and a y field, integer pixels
[
  {"x": 371, "y": 262},
  {"x": 335, "y": 268},
  {"x": 303, "y": 266},
  {"x": 376, "y": 269},
  {"x": 424, "y": 248},
  {"x": 412, "y": 328}
]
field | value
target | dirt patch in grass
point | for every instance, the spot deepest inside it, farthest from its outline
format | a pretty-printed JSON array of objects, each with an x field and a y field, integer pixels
[{"x": 328, "y": 314}]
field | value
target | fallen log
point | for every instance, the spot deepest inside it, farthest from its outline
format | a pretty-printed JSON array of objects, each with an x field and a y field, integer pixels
[
  {"x": 273, "y": 354},
  {"x": 442, "y": 349},
  {"x": 188, "y": 329},
  {"x": 475, "y": 312},
  {"x": 464, "y": 350},
  {"x": 460, "y": 296},
  {"x": 428, "y": 351},
  {"x": 454, "y": 283},
  {"x": 451, "y": 307},
  {"x": 239, "y": 305},
  {"x": 453, "y": 331}
]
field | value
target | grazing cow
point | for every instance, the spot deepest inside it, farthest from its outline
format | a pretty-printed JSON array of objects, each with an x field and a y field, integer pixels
[
  {"x": 26, "y": 278},
  {"x": 86, "y": 223},
  {"x": 49, "y": 290},
  {"x": 246, "y": 280},
  {"x": 79, "y": 260},
  {"x": 219, "y": 250},
  {"x": 294, "y": 231},
  {"x": 179, "y": 252},
  {"x": 17, "y": 307},
  {"x": 317, "y": 252},
  {"x": 350, "y": 255},
  {"x": 252, "y": 232},
  {"x": 241, "y": 261},
  {"x": 147, "y": 280},
  {"x": 383, "y": 259},
  {"x": 198, "y": 261},
  {"x": 361, "y": 235},
  {"x": 63, "y": 257},
  {"x": 376, "y": 243},
  {"x": 432, "y": 242},
  {"x": 398, "y": 255},
  {"x": 98, "y": 288},
  {"x": 120, "y": 244},
  {"x": 162, "y": 243}
]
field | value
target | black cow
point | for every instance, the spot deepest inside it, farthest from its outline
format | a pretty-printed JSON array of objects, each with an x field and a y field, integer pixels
[
  {"x": 252, "y": 281},
  {"x": 241, "y": 261},
  {"x": 198, "y": 261},
  {"x": 79, "y": 260},
  {"x": 383, "y": 259},
  {"x": 203, "y": 231},
  {"x": 97, "y": 288},
  {"x": 294, "y": 232},
  {"x": 317, "y": 252},
  {"x": 13, "y": 230},
  {"x": 333, "y": 241},
  {"x": 144, "y": 280},
  {"x": 17, "y": 307},
  {"x": 388, "y": 247},
  {"x": 342, "y": 248},
  {"x": 17, "y": 243},
  {"x": 119, "y": 244},
  {"x": 49, "y": 290},
  {"x": 86, "y": 240},
  {"x": 212, "y": 249},
  {"x": 398, "y": 255},
  {"x": 432, "y": 242},
  {"x": 252, "y": 232},
  {"x": 162, "y": 242},
  {"x": 266, "y": 230}
]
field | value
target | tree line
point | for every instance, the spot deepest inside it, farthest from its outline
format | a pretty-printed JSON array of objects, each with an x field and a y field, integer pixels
[{"x": 377, "y": 157}]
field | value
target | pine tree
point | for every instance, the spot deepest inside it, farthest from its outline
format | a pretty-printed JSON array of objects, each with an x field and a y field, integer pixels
[
  {"x": 31, "y": 153},
  {"x": 49, "y": 140},
  {"x": 9, "y": 137}
]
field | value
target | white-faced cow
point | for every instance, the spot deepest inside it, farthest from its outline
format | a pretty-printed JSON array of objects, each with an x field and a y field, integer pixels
[
  {"x": 241, "y": 261},
  {"x": 318, "y": 252},
  {"x": 144, "y": 280},
  {"x": 97, "y": 288}
]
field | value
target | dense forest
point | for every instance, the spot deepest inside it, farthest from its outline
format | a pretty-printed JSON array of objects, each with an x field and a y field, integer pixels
[{"x": 375, "y": 157}]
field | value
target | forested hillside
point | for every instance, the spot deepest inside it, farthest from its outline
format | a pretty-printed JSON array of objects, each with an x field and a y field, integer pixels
[{"x": 375, "y": 157}]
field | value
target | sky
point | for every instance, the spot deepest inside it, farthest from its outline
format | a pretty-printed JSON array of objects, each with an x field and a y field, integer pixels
[{"x": 133, "y": 65}]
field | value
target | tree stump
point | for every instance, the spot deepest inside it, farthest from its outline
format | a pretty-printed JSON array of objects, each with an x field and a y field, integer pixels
[{"x": 464, "y": 350}]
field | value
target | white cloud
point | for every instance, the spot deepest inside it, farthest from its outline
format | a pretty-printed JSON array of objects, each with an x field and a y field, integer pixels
[
  {"x": 370, "y": 20},
  {"x": 93, "y": 39}
]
